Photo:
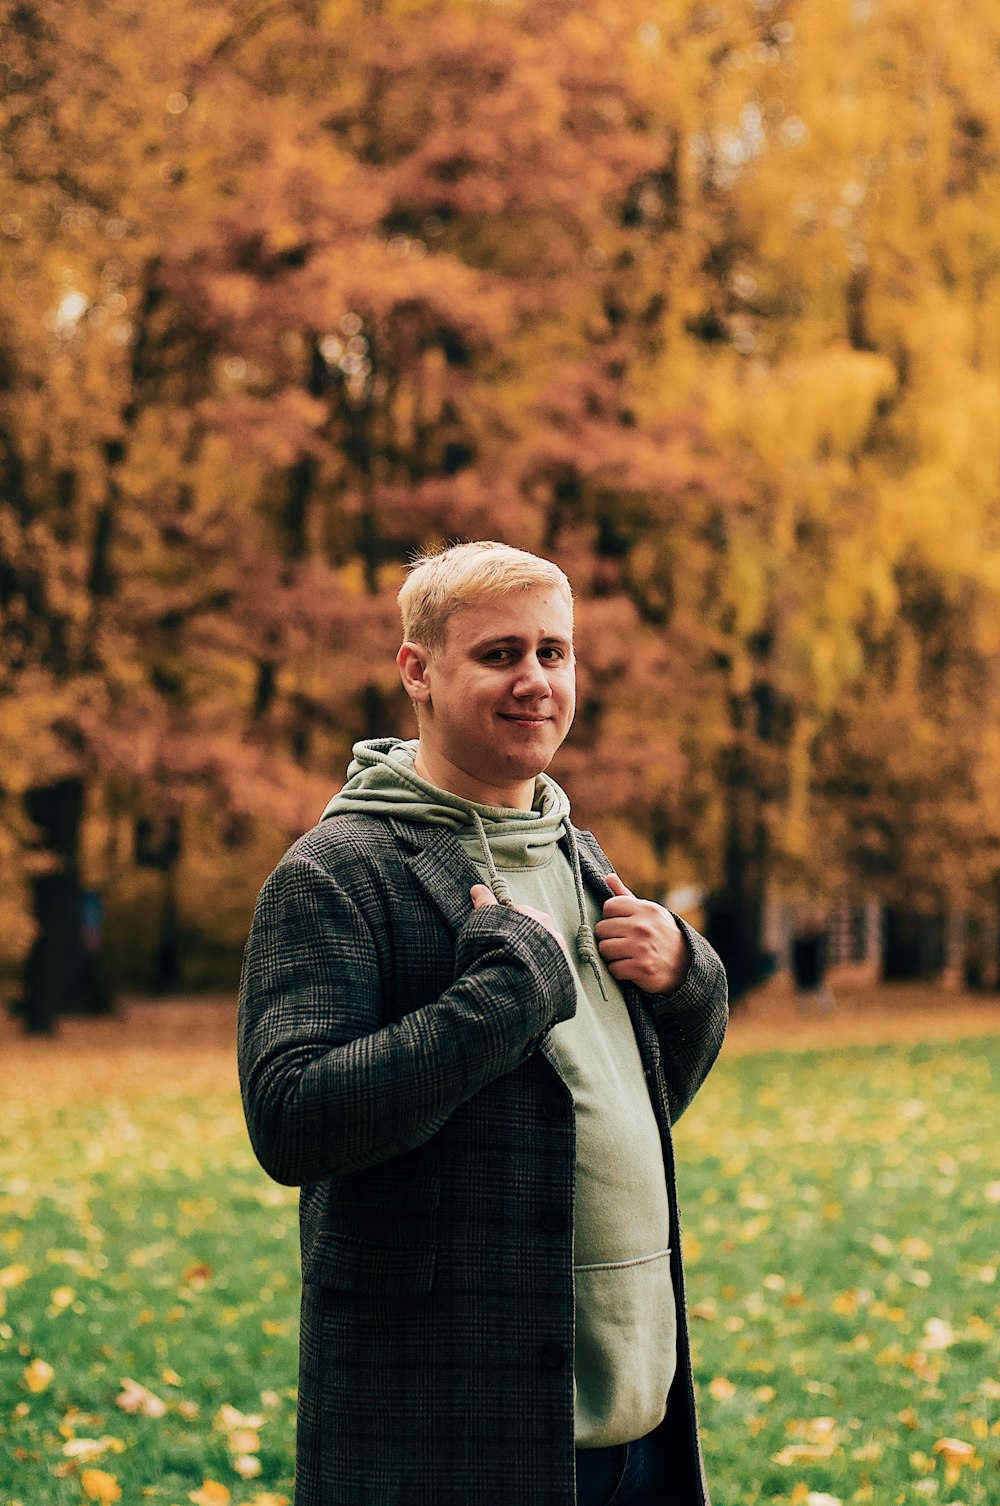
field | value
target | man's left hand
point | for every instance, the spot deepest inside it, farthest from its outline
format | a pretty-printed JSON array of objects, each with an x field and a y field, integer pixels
[{"x": 641, "y": 942}]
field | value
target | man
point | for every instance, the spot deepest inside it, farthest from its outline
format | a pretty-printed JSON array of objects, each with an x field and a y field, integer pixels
[{"x": 466, "y": 1040}]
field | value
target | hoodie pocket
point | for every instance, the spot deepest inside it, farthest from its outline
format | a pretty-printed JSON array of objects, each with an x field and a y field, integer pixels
[{"x": 626, "y": 1347}]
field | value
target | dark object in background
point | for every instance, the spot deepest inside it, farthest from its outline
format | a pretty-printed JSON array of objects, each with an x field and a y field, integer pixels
[{"x": 809, "y": 960}]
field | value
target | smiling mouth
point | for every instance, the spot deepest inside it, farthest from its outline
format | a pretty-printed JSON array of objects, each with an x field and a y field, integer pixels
[{"x": 532, "y": 721}]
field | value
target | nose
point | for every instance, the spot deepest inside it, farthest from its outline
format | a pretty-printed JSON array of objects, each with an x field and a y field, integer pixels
[{"x": 532, "y": 680}]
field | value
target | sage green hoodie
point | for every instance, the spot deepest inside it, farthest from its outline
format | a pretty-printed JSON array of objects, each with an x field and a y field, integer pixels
[{"x": 625, "y": 1342}]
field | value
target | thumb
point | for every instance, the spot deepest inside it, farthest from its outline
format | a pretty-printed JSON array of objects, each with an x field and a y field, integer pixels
[
  {"x": 482, "y": 896},
  {"x": 616, "y": 886}
]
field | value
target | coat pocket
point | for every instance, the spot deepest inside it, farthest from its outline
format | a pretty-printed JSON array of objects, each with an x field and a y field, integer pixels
[{"x": 348, "y": 1264}]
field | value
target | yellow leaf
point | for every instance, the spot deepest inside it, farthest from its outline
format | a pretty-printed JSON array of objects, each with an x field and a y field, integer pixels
[
  {"x": 13, "y": 1275},
  {"x": 955, "y": 1450},
  {"x": 171, "y": 1378},
  {"x": 721, "y": 1388},
  {"x": 38, "y": 1375},
  {"x": 708, "y": 1310},
  {"x": 62, "y": 1297},
  {"x": 229, "y": 1418},
  {"x": 136, "y": 1398},
  {"x": 247, "y": 1466},
  {"x": 87, "y": 1450},
  {"x": 244, "y": 1441},
  {"x": 99, "y": 1486},
  {"x": 802, "y": 1453},
  {"x": 210, "y": 1493}
]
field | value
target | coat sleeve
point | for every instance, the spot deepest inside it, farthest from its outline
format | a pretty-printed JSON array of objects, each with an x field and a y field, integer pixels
[
  {"x": 690, "y": 1022},
  {"x": 328, "y": 1087}
]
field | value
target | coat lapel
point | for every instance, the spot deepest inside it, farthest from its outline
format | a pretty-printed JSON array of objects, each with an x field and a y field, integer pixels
[{"x": 442, "y": 869}]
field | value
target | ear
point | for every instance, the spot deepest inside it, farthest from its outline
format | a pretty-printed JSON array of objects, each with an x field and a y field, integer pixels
[{"x": 413, "y": 662}]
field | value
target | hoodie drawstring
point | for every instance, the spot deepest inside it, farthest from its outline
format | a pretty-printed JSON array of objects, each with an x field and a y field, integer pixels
[
  {"x": 499, "y": 885},
  {"x": 586, "y": 946}
]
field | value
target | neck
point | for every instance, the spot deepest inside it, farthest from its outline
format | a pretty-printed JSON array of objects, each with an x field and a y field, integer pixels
[{"x": 445, "y": 775}]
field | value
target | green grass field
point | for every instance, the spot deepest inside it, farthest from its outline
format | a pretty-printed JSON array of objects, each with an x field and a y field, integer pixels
[{"x": 841, "y": 1223}]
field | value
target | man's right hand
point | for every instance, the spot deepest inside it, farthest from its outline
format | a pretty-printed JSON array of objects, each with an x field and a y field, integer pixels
[{"x": 482, "y": 896}]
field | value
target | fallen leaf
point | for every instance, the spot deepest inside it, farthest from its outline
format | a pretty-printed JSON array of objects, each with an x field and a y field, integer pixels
[
  {"x": 802, "y": 1453},
  {"x": 247, "y": 1466},
  {"x": 955, "y": 1450},
  {"x": 244, "y": 1441},
  {"x": 38, "y": 1376},
  {"x": 938, "y": 1334},
  {"x": 136, "y": 1398},
  {"x": 97, "y": 1485},
  {"x": 13, "y": 1275},
  {"x": 228, "y": 1418},
  {"x": 87, "y": 1450},
  {"x": 210, "y": 1493},
  {"x": 721, "y": 1388}
]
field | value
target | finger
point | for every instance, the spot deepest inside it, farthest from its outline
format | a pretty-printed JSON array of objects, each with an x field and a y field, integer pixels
[
  {"x": 482, "y": 896},
  {"x": 616, "y": 886},
  {"x": 626, "y": 971},
  {"x": 616, "y": 950},
  {"x": 620, "y": 916}
]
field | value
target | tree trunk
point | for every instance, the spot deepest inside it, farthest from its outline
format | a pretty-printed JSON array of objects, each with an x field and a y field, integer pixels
[
  {"x": 55, "y": 975},
  {"x": 734, "y": 916},
  {"x": 167, "y": 962}
]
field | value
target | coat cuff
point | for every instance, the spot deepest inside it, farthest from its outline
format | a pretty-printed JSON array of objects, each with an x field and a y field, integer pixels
[{"x": 702, "y": 983}]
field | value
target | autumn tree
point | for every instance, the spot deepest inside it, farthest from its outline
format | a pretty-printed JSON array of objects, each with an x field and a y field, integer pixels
[{"x": 700, "y": 301}]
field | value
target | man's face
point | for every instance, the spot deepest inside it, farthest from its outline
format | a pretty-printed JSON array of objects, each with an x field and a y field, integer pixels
[{"x": 499, "y": 697}]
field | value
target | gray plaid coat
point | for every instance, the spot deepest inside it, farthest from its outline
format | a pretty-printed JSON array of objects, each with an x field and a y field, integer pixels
[{"x": 394, "y": 1064}]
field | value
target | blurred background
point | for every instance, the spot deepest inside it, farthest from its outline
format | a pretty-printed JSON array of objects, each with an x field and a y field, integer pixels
[{"x": 700, "y": 300}]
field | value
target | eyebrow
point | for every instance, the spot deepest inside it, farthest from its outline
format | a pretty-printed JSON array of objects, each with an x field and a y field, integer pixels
[{"x": 505, "y": 639}]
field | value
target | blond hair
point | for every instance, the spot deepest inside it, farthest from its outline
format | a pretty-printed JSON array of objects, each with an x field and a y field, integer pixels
[{"x": 441, "y": 581}]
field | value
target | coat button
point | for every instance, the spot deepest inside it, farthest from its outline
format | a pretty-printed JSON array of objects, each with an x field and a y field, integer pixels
[
  {"x": 552, "y": 1355},
  {"x": 553, "y": 1219},
  {"x": 554, "y": 1107}
]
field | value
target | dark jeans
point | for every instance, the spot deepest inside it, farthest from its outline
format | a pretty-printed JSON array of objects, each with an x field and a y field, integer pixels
[{"x": 631, "y": 1474}]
